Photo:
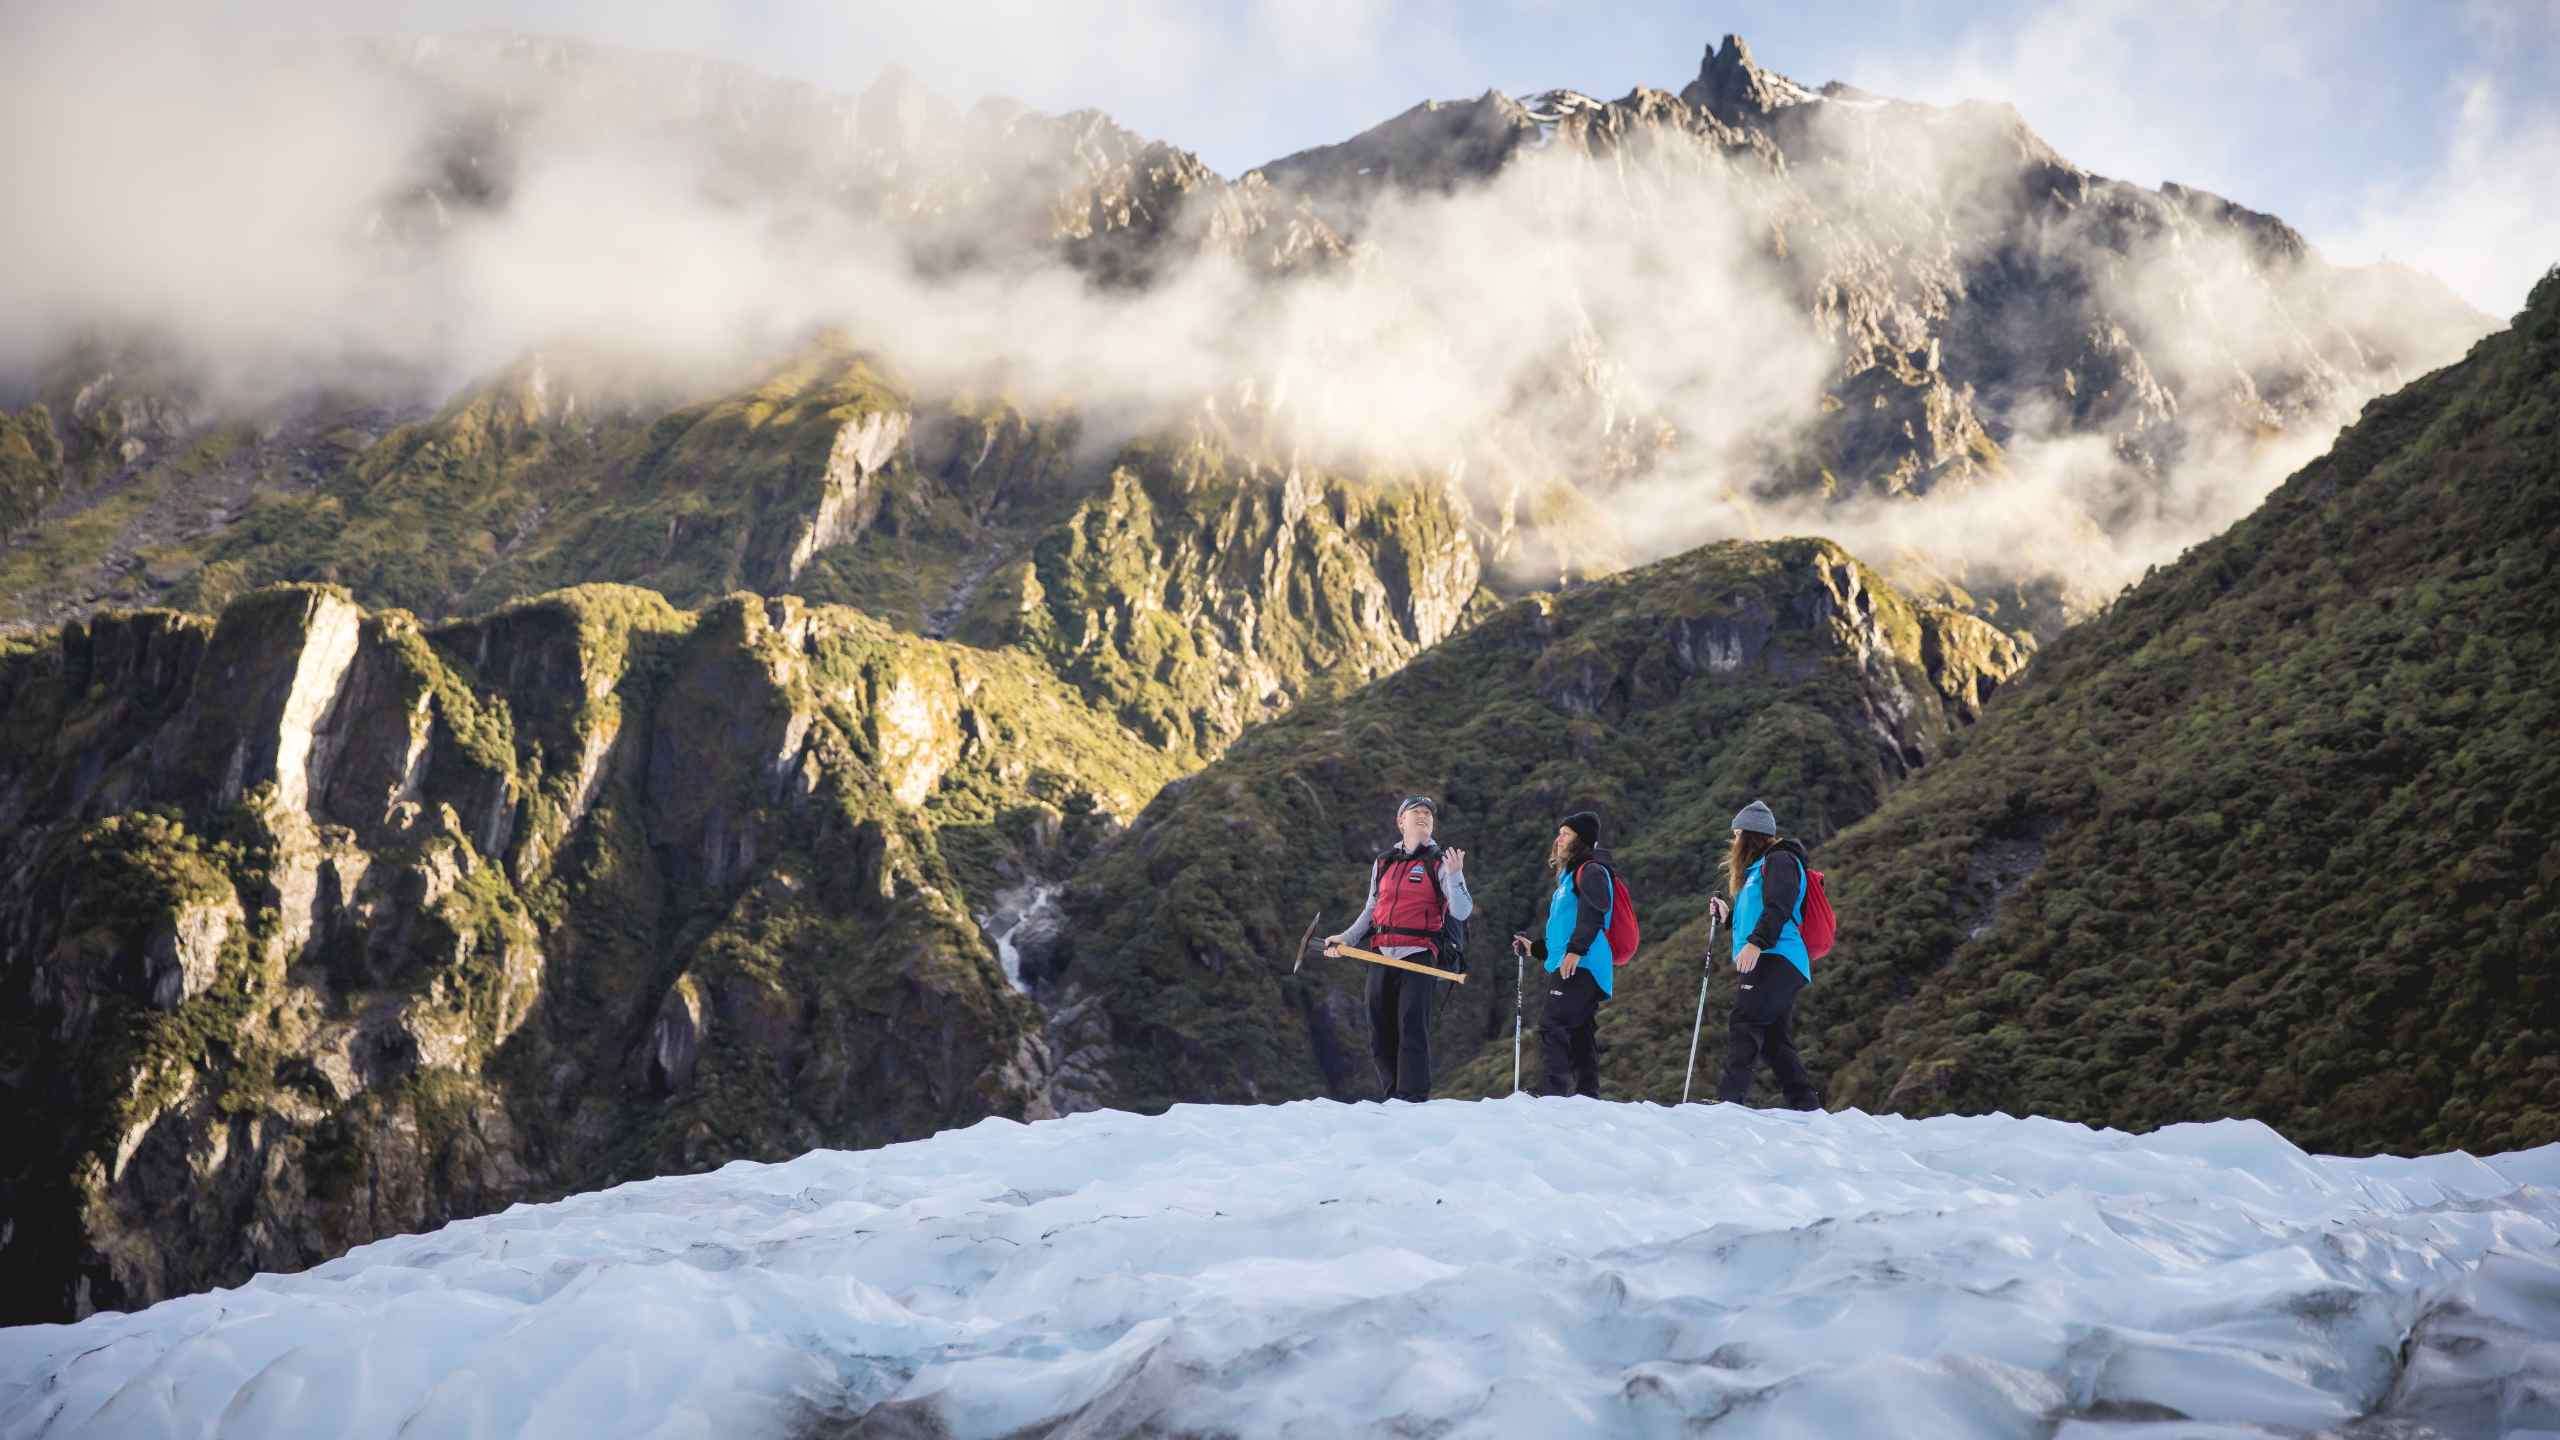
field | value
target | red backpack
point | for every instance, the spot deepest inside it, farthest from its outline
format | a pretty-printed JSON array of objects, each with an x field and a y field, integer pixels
[
  {"x": 1820, "y": 927},
  {"x": 1814, "y": 918},
  {"x": 1622, "y": 930}
]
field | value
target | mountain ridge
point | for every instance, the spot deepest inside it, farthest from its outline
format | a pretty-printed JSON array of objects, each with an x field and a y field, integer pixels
[{"x": 1895, "y": 314}]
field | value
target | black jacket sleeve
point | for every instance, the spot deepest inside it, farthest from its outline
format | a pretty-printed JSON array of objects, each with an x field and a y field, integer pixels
[
  {"x": 1782, "y": 875},
  {"x": 1591, "y": 893}
]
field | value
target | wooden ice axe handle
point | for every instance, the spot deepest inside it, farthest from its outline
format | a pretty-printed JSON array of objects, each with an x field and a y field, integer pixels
[{"x": 1374, "y": 958}]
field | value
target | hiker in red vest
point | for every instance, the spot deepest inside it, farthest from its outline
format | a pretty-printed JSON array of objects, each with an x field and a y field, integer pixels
[
  {"x": 1417, "y": 895},
  {"x": 1767, "y": 878}
]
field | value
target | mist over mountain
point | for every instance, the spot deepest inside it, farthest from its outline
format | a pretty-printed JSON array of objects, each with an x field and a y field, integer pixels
[{"x": 1748, "y": 308}]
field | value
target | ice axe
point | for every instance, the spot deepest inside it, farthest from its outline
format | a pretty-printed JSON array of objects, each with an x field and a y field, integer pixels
[
  {"x": 1304, "y": 940},
  {"x": 1370, "y": 956}
]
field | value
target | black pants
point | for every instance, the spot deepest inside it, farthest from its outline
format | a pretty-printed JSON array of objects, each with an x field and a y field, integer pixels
[
  {"x": 1569, "y": 1033},
  {"x": 1400, "y": 1030},
  {"x": 1764, "y": 1023}
]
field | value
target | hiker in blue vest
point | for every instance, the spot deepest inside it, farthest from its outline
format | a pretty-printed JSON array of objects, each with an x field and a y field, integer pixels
[
  {"x": 1767, "y": 877},
  {"x": 1417, "y": 894},
  {"x": 1574, "y": 943}
]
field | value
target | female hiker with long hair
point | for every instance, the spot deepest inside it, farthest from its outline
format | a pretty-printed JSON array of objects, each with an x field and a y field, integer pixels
[
  {"x": 1574, "y": 943},
  {"x": 1766, "y": 876}
]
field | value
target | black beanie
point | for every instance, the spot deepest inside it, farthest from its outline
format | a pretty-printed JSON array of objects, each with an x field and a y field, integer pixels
[{"x": 1585, "y": 823}]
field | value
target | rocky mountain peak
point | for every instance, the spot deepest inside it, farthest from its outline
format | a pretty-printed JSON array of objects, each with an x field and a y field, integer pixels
[
  {"x": 898, "y": 112},
  {"x": 1432, "y": 148},
  {"x": 1732, "y": 87},
  {"x": 2274, "y": 241}
]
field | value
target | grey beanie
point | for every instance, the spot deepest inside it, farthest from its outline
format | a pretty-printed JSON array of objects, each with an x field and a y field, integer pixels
[{"x": 1756, "y": 819}]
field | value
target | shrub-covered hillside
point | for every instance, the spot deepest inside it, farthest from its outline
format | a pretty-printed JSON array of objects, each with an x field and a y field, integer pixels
[{"x": 2271, "y": 838}]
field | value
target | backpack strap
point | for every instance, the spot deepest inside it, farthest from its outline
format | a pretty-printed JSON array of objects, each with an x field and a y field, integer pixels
[
  {"x": 1804, "y": 875},
  {"x": 1430, "y": 869},
  {"x": 1611, "y": 889}
]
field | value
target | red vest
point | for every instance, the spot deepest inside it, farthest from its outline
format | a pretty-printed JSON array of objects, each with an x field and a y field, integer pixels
[{"x": 1410, "y": 906}]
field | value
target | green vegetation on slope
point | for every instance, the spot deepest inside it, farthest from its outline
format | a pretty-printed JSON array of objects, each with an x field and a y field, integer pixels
[
  {"x": 1195, "y": 580},
  {"x": 1665, "y": 696},
  {"x": 30, "y": 466},
  {"x": 1201, "y": 590},
  {"x": 2274, "y": 837}
]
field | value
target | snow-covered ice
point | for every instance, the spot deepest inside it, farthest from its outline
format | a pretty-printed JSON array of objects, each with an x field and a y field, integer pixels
[{"x": 1510, "y": 1268}]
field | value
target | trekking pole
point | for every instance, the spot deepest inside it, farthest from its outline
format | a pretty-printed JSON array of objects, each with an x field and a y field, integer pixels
[
  {"x": 1519, "y": 988},
  {"x": 1700, "y": 1023}
]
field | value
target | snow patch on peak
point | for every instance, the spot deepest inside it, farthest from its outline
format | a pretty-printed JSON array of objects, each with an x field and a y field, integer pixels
[
  {"x": 1783, "y": 91},
  {"x": 1552, "y": 105}
]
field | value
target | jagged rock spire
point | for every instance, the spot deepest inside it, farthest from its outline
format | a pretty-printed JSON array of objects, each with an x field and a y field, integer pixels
[{"x": 1732, "y": 86}]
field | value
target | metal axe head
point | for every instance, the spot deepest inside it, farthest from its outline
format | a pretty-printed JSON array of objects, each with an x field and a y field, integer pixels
[{"x": 1301, "y": 957}]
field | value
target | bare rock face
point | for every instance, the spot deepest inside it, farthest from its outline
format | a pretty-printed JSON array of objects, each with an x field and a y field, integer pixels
[
  {"x": 101, "y": 408},
  {"x": 1732, "y": 87},
  {"x": 1434, "y": 148},
  {"x": 178, "y": 964},
  {"x": 849, "y": 495},
  {"x": 675, "y": 1039},
  {"x": 1961, "y": 658}
]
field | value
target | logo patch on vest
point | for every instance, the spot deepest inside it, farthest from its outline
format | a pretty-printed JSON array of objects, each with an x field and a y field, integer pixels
[{"x": 1416, "y": 877}]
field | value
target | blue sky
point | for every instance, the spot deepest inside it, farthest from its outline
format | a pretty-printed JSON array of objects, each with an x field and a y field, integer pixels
[{"x": 2422, "y": 131}]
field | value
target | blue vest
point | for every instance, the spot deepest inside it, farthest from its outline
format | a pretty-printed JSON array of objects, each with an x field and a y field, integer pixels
[
  {"x": 1746, "y": 918},
  {"x": 1562, "y": 913}
]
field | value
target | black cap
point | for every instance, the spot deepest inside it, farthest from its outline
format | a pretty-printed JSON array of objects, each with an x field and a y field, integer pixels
[
  {"x": 1425, "y": 801},
  {"x": 1585, "y": 823}
]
